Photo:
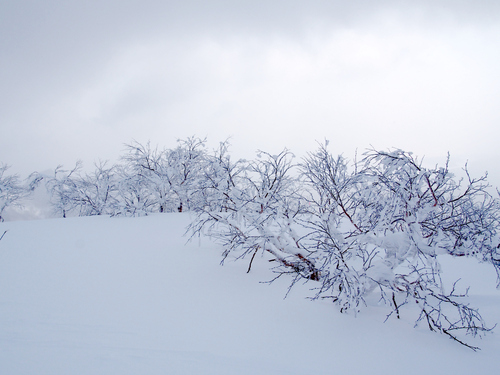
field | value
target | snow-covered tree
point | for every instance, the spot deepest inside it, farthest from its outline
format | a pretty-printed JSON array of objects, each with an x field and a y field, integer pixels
[
  {"x": 219, "y": 176},
  {"x": 89, "y": 194},
  {"x": 377, "y": 226},
  {"x": 134, "y": 198},
  {"x": 373, "y": 228},
  {"x": 259, "y": 206},
  {"x": 62, "y": 189},
  {"x": 170, "y": 176},
  {"x": 381, "y": 227},
  {"x": 12, "y": 191},
  {"x": 183, "y": 169},
  {"x": 147, "y": 165},
  {"x": 97, "y": 193}
]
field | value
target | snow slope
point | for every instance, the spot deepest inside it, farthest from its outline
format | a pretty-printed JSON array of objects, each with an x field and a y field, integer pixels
[{"x": 97, "y": 295}]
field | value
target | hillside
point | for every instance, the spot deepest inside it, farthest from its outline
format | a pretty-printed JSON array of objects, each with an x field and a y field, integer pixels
[{"x": 98, "y": 295}]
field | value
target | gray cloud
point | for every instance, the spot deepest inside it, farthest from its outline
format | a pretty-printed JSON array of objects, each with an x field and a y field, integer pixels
[{"x": 78, "y": 79}]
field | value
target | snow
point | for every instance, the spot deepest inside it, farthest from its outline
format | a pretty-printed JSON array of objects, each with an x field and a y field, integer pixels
[{"x": 99, "y": 295}]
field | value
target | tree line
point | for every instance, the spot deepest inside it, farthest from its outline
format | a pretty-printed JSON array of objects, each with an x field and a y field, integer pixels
[{"x": 353, "y": 229}]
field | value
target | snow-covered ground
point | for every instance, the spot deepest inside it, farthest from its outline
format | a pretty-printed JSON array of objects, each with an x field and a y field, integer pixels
[{"x": 98, "y": 295}]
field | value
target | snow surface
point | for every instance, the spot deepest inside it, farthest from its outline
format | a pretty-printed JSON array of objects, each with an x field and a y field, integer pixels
[{"x": 98, "y": 295}]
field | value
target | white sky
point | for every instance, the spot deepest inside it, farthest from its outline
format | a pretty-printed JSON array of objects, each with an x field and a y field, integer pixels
[{"x": 78, "y": 79}]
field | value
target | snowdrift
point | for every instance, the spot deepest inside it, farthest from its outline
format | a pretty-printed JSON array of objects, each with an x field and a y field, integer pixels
[{"x": 99, "y": 295}]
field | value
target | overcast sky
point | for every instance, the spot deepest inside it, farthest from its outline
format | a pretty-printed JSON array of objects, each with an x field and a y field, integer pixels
[{"x": 78, "y": 79}]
